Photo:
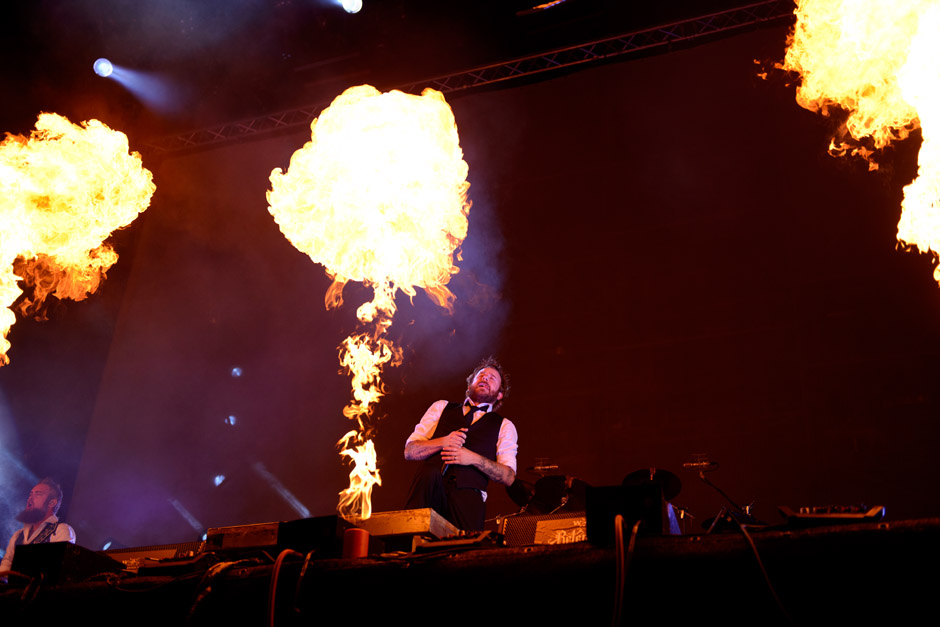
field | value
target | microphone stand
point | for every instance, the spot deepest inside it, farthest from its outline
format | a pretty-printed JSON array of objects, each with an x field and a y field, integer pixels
[{"x": 736, "y": 514}]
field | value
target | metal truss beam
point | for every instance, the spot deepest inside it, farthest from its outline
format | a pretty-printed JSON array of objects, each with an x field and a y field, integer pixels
[
  {"x": 645, "y": 40},
  {"x": 638, "y": 41}
]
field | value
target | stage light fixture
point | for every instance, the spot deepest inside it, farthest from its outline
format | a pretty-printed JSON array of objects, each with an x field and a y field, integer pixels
[
  {"x": 111, "y": 543},
  {"x": 103, "y": 67},
  {"x": 352, "y": 6}
]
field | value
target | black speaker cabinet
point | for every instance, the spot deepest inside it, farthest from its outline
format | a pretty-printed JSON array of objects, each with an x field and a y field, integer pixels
[
  {"x": 62, "y": 562},
  {"x": 643, "y": 502}
]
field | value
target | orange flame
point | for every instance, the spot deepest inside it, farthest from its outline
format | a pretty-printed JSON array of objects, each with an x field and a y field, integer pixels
[
  {"x": 878, "y": 61},
  {"x": 63, "y": 191},
  {"x": 378, "y": 195}
]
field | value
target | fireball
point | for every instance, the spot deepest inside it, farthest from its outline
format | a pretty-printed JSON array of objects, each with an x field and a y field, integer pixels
[
  {"x": 878, "y": 61},
  {"x": 379, "y": 196},
  {"x": 63, "y": 191}
]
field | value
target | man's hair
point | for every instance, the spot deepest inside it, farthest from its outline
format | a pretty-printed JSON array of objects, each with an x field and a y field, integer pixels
[
  {"x": 491, "y": 362},
  {"x": 56, "y": 490}
]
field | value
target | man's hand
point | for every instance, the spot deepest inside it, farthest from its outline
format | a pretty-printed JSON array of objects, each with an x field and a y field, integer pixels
[
  {"x": 458, "y": 455},
  {"x": 465, "y": 457},
  {"x": 454, "y": 439},
  {"x": 422, "y": 449}
]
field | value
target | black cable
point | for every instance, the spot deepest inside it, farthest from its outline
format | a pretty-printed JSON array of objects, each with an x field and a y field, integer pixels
[
  {"x": 300, "y": 579},
  {"x": 31, "y": 590},
  {"x": 763, "y": 570},
  {"x": 618, "y": 562},
  {"x": 215, "y": 571},
  {"x": 275, "y": 572},
  {"x": 622, "y": 560},
  {"x": 116, "y": 581}
]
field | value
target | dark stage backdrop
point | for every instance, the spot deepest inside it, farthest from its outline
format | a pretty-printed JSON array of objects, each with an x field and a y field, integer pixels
[{"x": 660, "y": 251}]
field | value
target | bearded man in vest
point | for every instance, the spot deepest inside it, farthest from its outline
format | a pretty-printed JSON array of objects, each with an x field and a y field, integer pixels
[
  {"x": 40, "y": 523},
  {"x": 462, "y": 447}
]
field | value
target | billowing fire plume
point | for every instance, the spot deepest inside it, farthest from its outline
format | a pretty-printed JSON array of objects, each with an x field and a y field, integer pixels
[
  {"x": 63, "y": 191},
  {"x": 378, "y": 195},
  {"x": 878, "y": 61}
]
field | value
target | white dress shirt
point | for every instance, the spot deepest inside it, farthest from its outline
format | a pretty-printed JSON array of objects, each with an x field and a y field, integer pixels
[{"x": 63, "y": 533}]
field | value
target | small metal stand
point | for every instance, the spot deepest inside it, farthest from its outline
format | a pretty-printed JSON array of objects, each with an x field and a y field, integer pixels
[{"x": 732, "y": 516}]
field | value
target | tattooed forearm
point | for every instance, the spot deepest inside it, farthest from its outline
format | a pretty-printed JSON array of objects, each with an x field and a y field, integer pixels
[
  {"x": 495, "y": 471},
  {"x": 419, "y": 450}
]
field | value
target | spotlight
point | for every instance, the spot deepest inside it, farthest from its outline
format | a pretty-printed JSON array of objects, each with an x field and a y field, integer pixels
[
  {"x": 153, "y": 90},
  {"x": 352, "y": 6},
  {"x": 103, "y": 67}
]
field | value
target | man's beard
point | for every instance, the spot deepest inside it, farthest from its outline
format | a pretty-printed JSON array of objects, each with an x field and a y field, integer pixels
[
  {"x": 31, "y": 516},
  {"x": 482, "y": 397}
]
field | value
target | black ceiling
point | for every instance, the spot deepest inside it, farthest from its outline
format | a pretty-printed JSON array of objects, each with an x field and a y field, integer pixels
[{"x": 226, "y": 59}]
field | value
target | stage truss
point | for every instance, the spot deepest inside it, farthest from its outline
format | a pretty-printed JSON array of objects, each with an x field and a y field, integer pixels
[{"x": 649, "y": 40}]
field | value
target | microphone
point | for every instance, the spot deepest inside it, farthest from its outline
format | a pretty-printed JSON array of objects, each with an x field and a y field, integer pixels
[
  {"x": 543, "y": 468},
  {"x": 701, "y": 465}
]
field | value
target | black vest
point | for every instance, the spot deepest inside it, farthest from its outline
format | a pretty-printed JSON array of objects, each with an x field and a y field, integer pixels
[
  {"x": 482, "y": 437},
  {"x": 41, "y": 538}
]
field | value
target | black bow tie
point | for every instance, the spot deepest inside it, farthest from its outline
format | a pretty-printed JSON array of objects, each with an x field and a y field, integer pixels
[{"x": 474, "y": 408}]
